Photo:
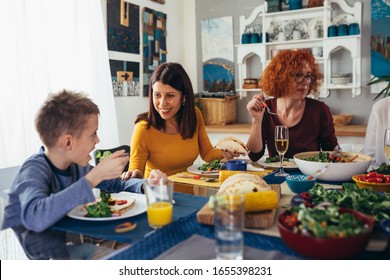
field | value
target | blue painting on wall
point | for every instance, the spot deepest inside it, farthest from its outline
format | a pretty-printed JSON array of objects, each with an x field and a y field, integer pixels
[
  {"x": 123, "y": 27},
  {"x": 380, "y": 38},
  {"x": 154, "y": 43},
  {"x": 218, "y": 54}
]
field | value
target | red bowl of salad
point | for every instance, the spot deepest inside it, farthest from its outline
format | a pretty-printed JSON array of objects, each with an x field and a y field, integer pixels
[{"x": 325, "y": 232}]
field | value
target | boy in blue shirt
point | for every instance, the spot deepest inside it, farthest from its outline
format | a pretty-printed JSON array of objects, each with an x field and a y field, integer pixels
[{"x": 59, "y": 178}]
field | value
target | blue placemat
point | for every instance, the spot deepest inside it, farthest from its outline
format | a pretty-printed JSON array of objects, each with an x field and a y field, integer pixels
[
  {"x": 162, "y": 240},
  {"x": 185, "y": 205}
]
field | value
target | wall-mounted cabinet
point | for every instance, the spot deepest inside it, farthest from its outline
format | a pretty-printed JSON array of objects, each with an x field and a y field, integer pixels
[{"x": 332, "y": 53}]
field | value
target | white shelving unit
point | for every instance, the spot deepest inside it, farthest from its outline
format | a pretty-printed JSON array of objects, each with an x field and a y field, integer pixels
[{"x": 330, "y": 45}]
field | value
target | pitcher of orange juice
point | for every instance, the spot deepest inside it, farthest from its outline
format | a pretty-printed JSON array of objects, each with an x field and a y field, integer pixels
[{"x": 159, "y": 203}]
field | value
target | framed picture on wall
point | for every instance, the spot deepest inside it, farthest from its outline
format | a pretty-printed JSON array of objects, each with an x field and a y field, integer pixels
[
  {"x": 380, "y": 42},
  {"x": 123, "y": 26},
  {"x": 218, "y": 54},
  {"x": 159, "y": 1},
  {"x": 154, "y": 43},
  {"x": 125, "y": 78}
]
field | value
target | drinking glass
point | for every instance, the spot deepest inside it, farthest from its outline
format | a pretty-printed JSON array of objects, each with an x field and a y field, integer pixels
[
  {"x": 281, "y": 145},
  {"x": 228, "y": 225},
  {"x": 387, "y": 144},
  {"x": 159, "y": 203}
]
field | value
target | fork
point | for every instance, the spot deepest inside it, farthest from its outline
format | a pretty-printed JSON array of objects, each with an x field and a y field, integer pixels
[
  {"x": 266, "y": 107},
  {"x": 208, "y": 179}
]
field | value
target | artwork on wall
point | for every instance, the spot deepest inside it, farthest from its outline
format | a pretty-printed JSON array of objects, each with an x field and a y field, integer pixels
[
  {"x": 380, "y": 38},
  {"x": 125, "y": 78},
  {"x": 159, "y": 1},
  {"x": 218, "y": 54},
  {"x": 154, "y": 43},
  {"x": 123, "y": 27}
]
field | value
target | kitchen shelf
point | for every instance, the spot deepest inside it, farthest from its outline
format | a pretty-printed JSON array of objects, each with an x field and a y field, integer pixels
[{"x": 329, "y": 45}]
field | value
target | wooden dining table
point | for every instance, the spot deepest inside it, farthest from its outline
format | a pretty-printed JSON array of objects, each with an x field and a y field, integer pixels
[{"x": 147, "y": 243}]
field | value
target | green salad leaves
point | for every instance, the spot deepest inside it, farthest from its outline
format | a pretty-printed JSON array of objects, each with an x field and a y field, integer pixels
[
  {"x": 323, "y": 222},
  {"x": 350, "y": 196},
  {"x": 210, "y": 166},
  {"x": 101, "y": 208}
]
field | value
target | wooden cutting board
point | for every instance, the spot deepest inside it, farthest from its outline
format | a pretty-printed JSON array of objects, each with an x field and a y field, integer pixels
[{"x": 262, "y": 220}]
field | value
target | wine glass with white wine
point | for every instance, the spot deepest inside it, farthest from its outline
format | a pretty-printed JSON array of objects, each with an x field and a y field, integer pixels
[
  {"x": 387, "y": 144},
  {"x": 281, "y": 145}
]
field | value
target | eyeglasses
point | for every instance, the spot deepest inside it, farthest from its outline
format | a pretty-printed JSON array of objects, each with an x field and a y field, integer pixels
[{"x": 309, "y": 78}]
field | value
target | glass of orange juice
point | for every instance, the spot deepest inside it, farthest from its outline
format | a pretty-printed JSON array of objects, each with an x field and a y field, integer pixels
[{"x": 159, "y": 203}]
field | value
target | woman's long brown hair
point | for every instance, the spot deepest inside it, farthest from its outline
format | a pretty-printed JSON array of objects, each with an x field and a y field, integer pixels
[{"x": 173, "y": 74}]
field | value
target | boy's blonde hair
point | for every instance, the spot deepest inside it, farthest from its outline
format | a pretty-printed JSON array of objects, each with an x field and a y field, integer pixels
[{"x": 64, "y": 112}]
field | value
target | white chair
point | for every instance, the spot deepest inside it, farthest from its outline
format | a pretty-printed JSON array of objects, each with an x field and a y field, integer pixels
[
  {"x": 10, "y": 248},
  {"x": 7, "y": 176}
]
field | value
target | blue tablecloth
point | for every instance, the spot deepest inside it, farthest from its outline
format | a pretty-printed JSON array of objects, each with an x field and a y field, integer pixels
[
  {"x": 161, "y": 240},
  {"x": 184, "y": 205}
]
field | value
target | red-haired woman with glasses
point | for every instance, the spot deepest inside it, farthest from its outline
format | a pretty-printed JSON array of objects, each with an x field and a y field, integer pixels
[{"x": 289, "y": 78}]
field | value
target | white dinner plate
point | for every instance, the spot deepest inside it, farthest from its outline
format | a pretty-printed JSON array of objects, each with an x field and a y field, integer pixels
[
  {"x": 274, "y": 165},
  {"x": 250, "y": 167},
  {"x": 316, "y": 24},
  {"x": 194, "y": 170},
  {"x": 139, "y": 207},
  {"x": 344, "y": 19},
  {"x": 287, "y": 27}
]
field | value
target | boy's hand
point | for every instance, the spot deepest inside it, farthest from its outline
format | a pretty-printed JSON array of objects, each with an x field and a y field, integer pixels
[
  {"x": 131, "y": 174},
  {"x": 109, "y": 168}
]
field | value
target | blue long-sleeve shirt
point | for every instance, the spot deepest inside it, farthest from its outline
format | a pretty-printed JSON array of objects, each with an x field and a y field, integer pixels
[{"x": 41, "y": 194}]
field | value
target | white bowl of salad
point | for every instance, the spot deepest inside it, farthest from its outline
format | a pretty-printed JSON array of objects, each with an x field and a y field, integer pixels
[{"x": 338, "y": 169}]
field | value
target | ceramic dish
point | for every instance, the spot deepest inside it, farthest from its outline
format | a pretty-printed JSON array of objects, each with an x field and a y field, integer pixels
[
  {"x": 276, "y": 165},
  {"x": 385, "y": 225},
  {"x": 139, "y": 207},
  {"x": 378, "y": 187},
  {"x": 305, "y": 199},
  {"x": 194, "y": 170},
  {"x": 326, "y": 248},
  {"x": 254, "y": 28},
  {"x": 340, "y": 80},
  {"x": 287, "y": 27},
  {"x": 300, "y": 183},
  {"x": 337, "y": 171},
  {"x": 344, "y": 19},
  {"x": 316, "y": 24}
]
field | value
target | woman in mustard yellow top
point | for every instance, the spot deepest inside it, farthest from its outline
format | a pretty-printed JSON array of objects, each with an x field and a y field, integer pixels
[{"x": 172, "y": 134}]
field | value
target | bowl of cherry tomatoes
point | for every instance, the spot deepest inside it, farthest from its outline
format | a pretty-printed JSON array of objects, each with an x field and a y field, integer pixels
[{"x": 373, "y": 180}]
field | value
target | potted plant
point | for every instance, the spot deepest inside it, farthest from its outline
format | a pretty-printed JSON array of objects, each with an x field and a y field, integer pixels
[{"x": 386, "y": 90}]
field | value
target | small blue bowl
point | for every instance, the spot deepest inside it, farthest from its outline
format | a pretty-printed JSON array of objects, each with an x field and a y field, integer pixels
[
  {"x": 234, "y": 164},
  {"x": 385, "y": 225},
  {"x": 299, "y": 183}
]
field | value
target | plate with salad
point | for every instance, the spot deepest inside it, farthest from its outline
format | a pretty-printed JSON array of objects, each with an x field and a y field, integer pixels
[
  {"x": 113, "y": 207},
  {"x": 208, "y": 169},
  {"x": 274, "y": 163}
]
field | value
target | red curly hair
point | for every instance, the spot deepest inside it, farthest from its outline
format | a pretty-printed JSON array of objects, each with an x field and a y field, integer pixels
[{"x": 277, "y": 79}]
